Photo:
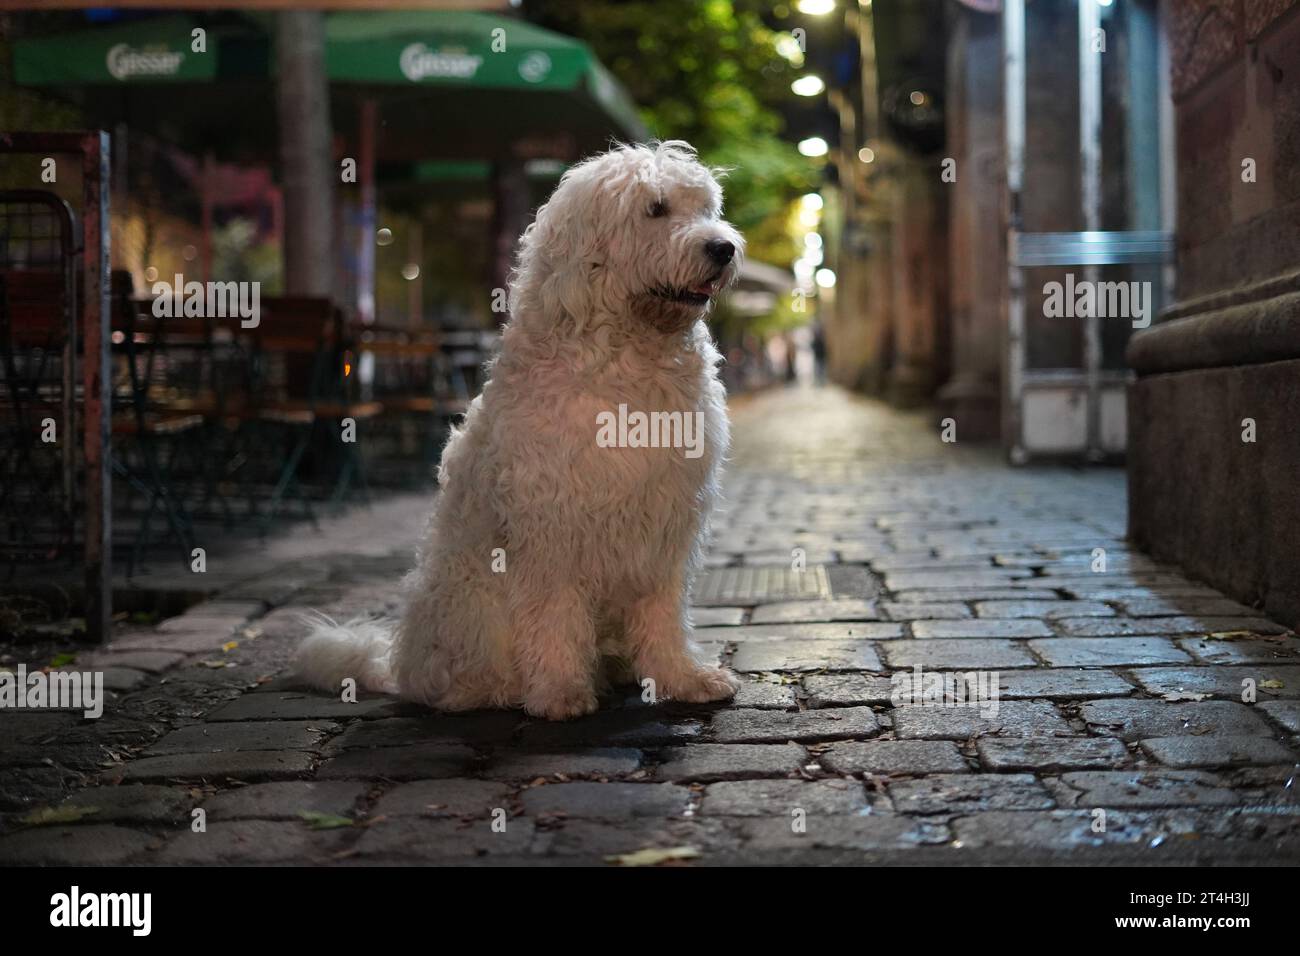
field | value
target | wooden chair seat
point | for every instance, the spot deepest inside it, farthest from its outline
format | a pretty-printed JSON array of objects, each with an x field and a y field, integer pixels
[
  {"x": 155, "y": 424},
  {"x": 409, "y": 403},
  {"x": 303, "y": 413},
  {"x": 399, "y": 349},
  {"x": 33, "y": 412},
  {"x": 425, "y": 404},
  {"x": 208, "y": 404},
  {"x": 287, "y": 416}
]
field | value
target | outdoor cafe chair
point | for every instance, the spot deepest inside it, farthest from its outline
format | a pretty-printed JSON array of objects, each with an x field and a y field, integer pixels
[
  {"x": 39, "y": 442},
  {"x": 149, "y": 436},
  {"x": 307, "y": 389},
  {"x": 414, "y": 378},
  {"x": 36, "y": 494}
]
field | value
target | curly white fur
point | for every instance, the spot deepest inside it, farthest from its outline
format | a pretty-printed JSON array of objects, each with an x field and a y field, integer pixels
[{"x": 607, "y": 301}]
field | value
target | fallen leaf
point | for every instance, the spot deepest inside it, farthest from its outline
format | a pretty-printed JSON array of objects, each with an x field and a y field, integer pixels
[
  {"x": 324, "y": 821},
  {"x": 229, "y": 646},
  {"x": 1272, "y": 684},
  {"x": 1229, "y": 635},
  {"x": 63, "y": 660},
  {"x": 1185, "y": 695},
  {"x": 653, "y": 856},
  {"x": 67, "y": 814}
]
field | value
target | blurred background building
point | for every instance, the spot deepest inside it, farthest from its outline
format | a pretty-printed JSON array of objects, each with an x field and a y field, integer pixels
[{"x": 983, "y": 150}]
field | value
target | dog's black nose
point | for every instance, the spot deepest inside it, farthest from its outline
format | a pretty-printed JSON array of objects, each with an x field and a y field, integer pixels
[{"x": 720, "y": 251}]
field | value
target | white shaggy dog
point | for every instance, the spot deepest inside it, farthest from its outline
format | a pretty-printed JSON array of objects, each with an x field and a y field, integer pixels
[{"x": 552, "y": 547}]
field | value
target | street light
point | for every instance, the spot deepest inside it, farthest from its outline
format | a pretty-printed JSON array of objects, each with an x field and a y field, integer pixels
[
  {"x": 789, "y": 48},
  {"x": 815, "y": 8},
  {"x": 809, "y": 85},
  {"x": 811, "y": 201},
  {"x": 826, "y": 278},
  {"x": 867, "y": 154},
  {"x": 813, "y": 146}
]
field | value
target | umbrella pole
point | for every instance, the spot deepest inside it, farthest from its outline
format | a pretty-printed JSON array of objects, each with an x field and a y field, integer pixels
[
  {"x": 415, "y": 286},
  {"x": 305, "y": 154},
  {"x": 369, "y": 212},
  {"x": 205, "y": 202},
  {"x": 509, "y": 215}
]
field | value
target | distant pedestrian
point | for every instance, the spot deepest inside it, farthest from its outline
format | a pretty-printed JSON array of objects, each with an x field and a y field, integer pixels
[{"x": 819, "y": 352}]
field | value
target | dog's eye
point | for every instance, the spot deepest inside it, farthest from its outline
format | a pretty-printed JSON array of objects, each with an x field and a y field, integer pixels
[{"x": 658, "y": 209}]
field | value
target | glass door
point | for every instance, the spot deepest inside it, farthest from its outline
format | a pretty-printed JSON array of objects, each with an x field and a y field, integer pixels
[{"x": 1086, "y": 126}]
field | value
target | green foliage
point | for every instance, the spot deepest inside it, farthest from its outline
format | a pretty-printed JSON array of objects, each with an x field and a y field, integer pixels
[
  {"x": 316, "y": 820},
  {"x": 782, "y": 318},
  {"x": 238, "y": 256},
  {"x": 706, "y": 71}
]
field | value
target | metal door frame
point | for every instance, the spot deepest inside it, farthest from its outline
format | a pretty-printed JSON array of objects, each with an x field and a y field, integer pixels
[{"x": 1089, "y": 248}]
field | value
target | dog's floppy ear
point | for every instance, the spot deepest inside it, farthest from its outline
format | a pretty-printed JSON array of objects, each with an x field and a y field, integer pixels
[{"x": 566, "y": 295}]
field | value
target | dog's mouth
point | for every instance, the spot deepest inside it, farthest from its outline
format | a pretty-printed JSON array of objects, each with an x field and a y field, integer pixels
[{"x": 698, "y": 294}]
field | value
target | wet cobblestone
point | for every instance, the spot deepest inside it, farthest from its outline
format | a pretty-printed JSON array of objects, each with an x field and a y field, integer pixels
[{"x": 1133, "y": 692}]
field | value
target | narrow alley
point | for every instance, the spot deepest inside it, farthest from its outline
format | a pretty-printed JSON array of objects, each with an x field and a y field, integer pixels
[{"x": 1106, "y": 708}]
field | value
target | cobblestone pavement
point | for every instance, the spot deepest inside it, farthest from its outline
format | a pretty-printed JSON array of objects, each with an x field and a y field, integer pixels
[{"x": 1125, "y": 727}]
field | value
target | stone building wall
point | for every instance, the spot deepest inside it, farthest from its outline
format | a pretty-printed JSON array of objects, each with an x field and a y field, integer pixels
[{"x": 1224, "y": 364}]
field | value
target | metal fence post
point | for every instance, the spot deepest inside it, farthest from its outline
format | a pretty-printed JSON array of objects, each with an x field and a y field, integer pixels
[{"x": 97, "y": 386}]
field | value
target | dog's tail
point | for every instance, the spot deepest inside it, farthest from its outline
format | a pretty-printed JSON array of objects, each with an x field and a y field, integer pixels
[{"x": 360, "y": 649}]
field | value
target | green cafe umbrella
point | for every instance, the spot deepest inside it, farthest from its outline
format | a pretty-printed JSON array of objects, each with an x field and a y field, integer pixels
[
  {"x": 455, "y": 84},
  {"x": 450, "y": 84},
  {"x": 147, "y": 51},
  {"x": 148, "y": 75}
]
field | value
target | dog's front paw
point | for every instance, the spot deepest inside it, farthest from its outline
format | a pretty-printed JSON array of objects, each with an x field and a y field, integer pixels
[
  {"x": 560, "y": 703},
  {"x": 704, "y": 685}
]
